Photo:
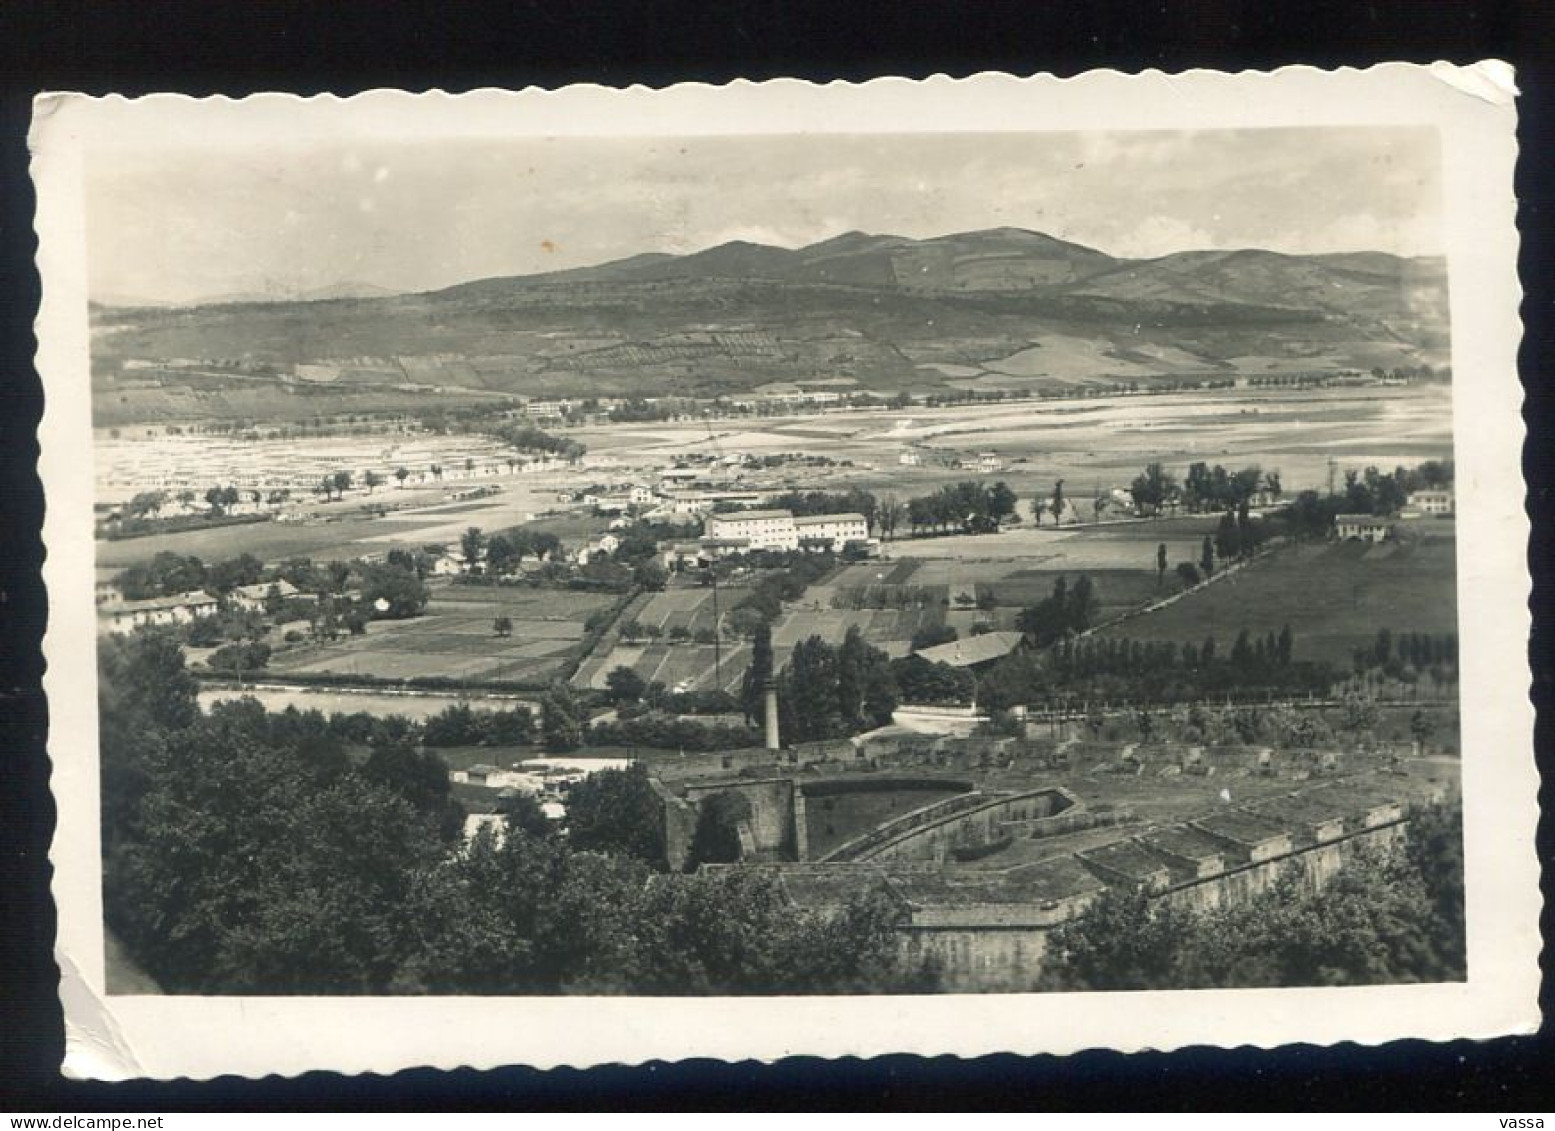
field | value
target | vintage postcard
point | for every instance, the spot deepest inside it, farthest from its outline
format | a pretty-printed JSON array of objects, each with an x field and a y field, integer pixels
[{"x": 586, "y": 576}]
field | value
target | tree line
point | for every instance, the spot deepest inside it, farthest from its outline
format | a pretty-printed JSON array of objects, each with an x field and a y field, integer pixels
[
  {"x": 1102, "y": 668},
  {"x": 528, "y": 438},
  {"x": 1396, "y": 654},
  {"x": 968, "y": 507}
]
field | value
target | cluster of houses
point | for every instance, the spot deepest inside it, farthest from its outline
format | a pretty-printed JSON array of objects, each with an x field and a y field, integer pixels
[
  {"x": 980, "y": 463},
  {"x": 1379, "y": 528},
  {"x": 116, "y": 613},
  {"x": 547, "y": 779}
]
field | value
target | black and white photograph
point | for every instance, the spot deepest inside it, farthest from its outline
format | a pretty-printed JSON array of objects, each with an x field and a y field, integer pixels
[{"x": 902, "y": 563}]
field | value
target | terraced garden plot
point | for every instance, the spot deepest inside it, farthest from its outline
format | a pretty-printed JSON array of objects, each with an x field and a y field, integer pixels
[
  {"x": 690, "y": 609},
  {"x": 830, "y": 625},
  {"x": 651, "y": 660},
  {"x": 672, "y": 664},
  {"x": 690, "y": 663}
]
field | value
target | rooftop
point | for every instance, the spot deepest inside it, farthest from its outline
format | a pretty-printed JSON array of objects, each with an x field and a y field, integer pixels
[
  {"x": 1241, "y": 826},
  {"x": 1126, "y": 857},
  {"x": 1306, "y": 808},
  {"x": 262, "y": 589},
  {"x": 817, "y": 519},
  {"x": 1184, "y": 841},
  {"x": 176, "y": 601},
  {"x": 745, "y": 516},
  {"x": 972, "y": 650}
]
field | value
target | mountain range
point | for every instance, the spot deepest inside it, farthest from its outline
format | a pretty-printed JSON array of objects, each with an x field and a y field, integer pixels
[{"x": 1001, "y": 308}]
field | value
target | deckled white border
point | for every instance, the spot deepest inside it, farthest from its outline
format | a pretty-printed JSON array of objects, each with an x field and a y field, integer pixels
[{"x": 203, "y": 1037}]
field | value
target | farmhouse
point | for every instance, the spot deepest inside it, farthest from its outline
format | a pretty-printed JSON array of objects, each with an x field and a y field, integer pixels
[
  {"x": 181, "y": 608},
  {"x": 605, "y": 544},
  {"x": 1366, "y": 527},
  {"x": 984, "y": 462},
  {"x": 253, "y": 598}
]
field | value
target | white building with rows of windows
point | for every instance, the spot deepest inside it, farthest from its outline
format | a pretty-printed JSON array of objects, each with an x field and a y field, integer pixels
[
  {"x": 1367, "y": 528},
  {"x": 760, "y": 530},
  {"x": 781, "y": 530},
  {"x": 1432, "y": 502},
  {"x": 831, "y": 531}
]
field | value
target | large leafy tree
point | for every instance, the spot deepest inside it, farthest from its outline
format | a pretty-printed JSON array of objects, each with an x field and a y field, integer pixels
[
  {"x": 561, "y": 719},
  {"x": 757, "y": 673},
  {"x": 807, "y": 692},
  {"x": 625, "y": 685},
  {"x": 617, "y": 811}
]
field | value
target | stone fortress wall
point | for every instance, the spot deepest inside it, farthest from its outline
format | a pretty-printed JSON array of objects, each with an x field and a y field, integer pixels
[{"x": 988, "y": 928}]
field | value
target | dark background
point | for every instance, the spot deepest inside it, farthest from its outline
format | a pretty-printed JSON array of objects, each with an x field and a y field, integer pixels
[{"x": 345, "y": 47}]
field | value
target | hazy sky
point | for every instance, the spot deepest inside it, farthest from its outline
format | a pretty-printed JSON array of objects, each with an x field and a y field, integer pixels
[{"x": 178, "y": 225}]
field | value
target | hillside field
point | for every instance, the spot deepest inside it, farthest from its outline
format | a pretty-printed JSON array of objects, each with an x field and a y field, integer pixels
[{"x": 1335, "y": 596}]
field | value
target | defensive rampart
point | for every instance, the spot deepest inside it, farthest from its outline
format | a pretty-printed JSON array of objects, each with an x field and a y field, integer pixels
[
  {"x": 935, "y": 832},
  {"x": 1002, "y": 948}
]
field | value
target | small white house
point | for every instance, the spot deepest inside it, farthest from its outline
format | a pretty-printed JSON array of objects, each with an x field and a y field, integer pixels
[
  {"x": 1432, "y": 502},
  {"x": 606, "y": 544},
  {"x": 255, "y": 598},
  {"x": 1365, "y": 527}
]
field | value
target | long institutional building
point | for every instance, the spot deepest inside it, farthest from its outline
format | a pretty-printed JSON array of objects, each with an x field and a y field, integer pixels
[
  {"x": 782, "y": 530},
  {"x": 739, "y": 532}
]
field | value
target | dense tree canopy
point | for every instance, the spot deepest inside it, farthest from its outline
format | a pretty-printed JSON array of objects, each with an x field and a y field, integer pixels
[
  {"x": 255, "y": 852},
  {"x": 616, "y": 811},
  {"x": 967, "y": 507},
  {"x": 828, "y": 692}
]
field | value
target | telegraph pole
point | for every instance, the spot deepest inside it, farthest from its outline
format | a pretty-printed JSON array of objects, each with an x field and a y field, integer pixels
[{"x": 718, "y": 667}]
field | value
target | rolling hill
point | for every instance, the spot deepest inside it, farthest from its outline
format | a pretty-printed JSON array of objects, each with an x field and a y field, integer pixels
[{"x": 1002, "y": 308}]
